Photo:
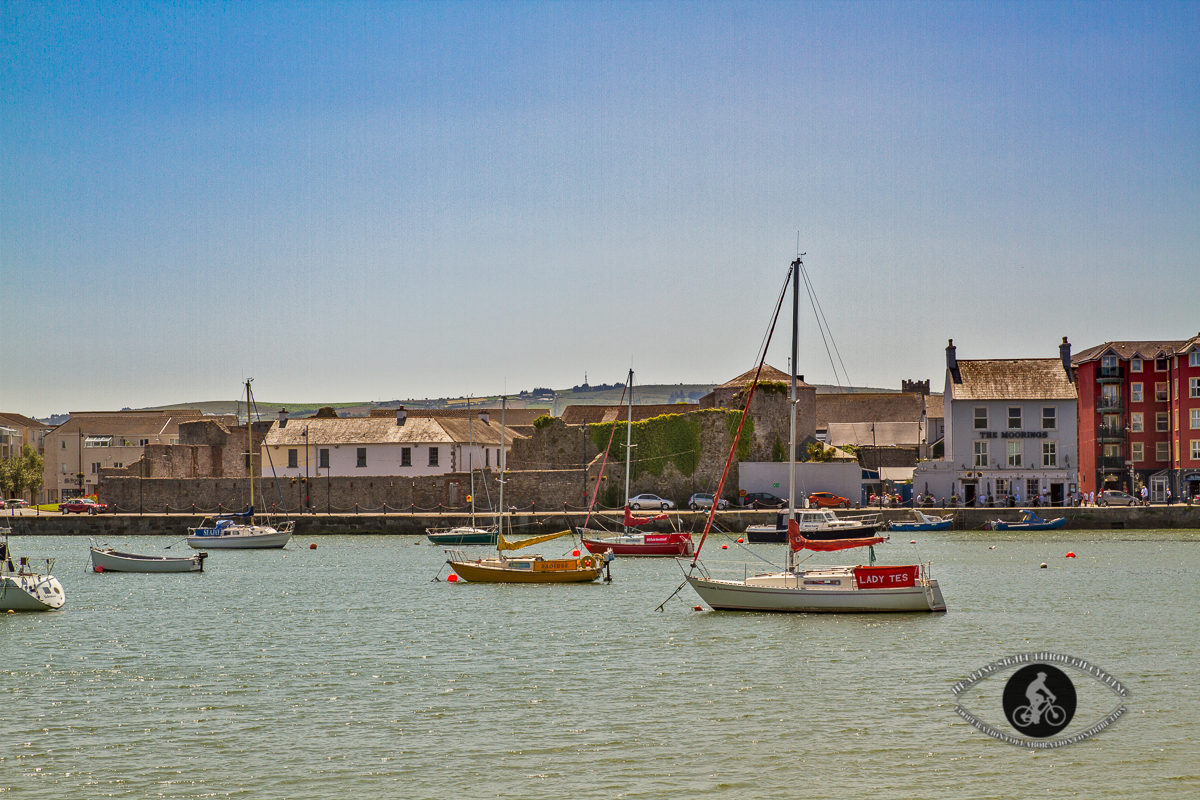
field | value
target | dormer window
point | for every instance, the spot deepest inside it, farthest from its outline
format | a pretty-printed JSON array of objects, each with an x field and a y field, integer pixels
[{"x": 1135, "y": 364}]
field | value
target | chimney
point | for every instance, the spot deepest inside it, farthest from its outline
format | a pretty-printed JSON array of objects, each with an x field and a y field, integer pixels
[
  {"x": 952, "y": 361},
  {"x": 401, "y": 415},
  {"x": 283, "y": 417},
  {"x": 483, "y": 417},
  {"x": 1064, "y": 352}
]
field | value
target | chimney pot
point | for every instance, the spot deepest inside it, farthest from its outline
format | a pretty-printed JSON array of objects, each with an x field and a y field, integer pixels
[
  {"x": 484, "y": 417},
  {"x": 283, "y": 417},
  {"x": 401, "y": 415}
]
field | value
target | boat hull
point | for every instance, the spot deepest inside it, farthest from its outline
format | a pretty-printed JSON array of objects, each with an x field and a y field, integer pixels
[
  {"x": 914, "y": 527},
  {"x": 529, "y": 570},
  {"x": 771, "y": 534},
  {"x": 239, "y": 537},
  {"x": 462, "y": 536},
  {"x": 671, "y": 545},
  {"x": 793, "y": 598},
  {"x": 31, "y": 592},
  {"x": 114, "y": 561},
  {"x": 1049, "y": 525}
]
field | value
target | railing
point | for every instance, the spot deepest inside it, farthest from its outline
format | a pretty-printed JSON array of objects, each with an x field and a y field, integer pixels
[
  {"x": 1110, "y": 404},
  {"x": 1110, "y": 432},
  {"x": 1111, "y": 462},
  {"x": 1108, "y": 374}
]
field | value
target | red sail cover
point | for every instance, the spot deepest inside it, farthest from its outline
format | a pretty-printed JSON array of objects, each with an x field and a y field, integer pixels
[
  {"x": 631, "y": 521},
  {"x": 885, "y": 577},
  {"x": 826, "y": 545}
]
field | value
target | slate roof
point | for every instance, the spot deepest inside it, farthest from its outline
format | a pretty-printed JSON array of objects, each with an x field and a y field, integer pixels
[
  {"x": 1127, "y": 350},
  {"x": 878, "y": 434},
  {"x": 588, "y": 415},
  {"x": 869, "y": 407},
  {"x": 152, "y": 423},
  {"x": 769, "y": 373},
  {"x": 1014, "y": 379},
  {"x": 384, "y": 430},
  {"x": 22, "y": 420},
  {"x": 512, "y": 416}
]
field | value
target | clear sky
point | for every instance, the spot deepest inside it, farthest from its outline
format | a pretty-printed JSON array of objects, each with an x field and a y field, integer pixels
[{"x": 371, "y": 201}]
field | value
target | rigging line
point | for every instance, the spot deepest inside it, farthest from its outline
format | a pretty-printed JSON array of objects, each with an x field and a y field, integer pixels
[
  {"x": 712, "y": 511},
  {"x": 826, "y": 333},
  {"x": 251, "y": 402},
  {"x": 611, "y": 434}
]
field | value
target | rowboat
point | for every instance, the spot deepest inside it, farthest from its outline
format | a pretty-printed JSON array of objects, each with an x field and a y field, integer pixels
[{"x": 110, "y": 560}]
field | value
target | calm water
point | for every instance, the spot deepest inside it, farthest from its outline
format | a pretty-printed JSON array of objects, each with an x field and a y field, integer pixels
[{"x": 345, "y": 672}]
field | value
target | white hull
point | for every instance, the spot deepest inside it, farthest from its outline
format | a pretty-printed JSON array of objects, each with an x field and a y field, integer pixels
[
  {"x": 800, "y": 592},
  {"x": 113, "y": 561},
  {"x": 239, "y": 537},
  {"x": 31, "y": 592}
]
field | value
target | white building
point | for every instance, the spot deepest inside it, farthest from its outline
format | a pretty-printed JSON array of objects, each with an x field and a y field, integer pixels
[
  {"x": 383, "y": 444},
  {"x": 1011, "y": 430}
]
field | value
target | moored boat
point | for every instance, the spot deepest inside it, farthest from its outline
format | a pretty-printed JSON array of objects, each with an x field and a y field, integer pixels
[
  {"x": 816, "y": 523},
  {"x": 1028, "y": 521},
  {"x": 924, "y": 522},
  {"x": 110, "y": 560},
  {"x": 23, "y": 589}
]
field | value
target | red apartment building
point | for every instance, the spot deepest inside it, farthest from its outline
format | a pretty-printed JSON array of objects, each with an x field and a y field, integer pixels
[{"x": 1139, "y": 417}]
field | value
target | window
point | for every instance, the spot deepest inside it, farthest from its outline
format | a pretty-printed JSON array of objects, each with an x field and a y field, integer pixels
[
  {"x": 98, "y": 441},
  {"x": 1031, "y": 487},
  {"x": 1049, "y": 418},
  {"x": 1162, "y": 422},
  {"x": 143, "y": 442},
  {"x": 1195, "y": 419},
  {"x": 323, "y": 458},
  {"x": 247, "y": 462},
  {"x": 1001, "y": 486},
  {"x": 433, "y": 456},
  {"x": 1135, "y": 392},
  {"x": 406, "y": 456},
  {"x": 1194, "y": 358},
  {"x": 487, "y": 457},
  {"x": 64, "y": 466},
  {"x": 1137, "y": 451},
  {"x": 981, "y": 418},
  {"x": 1108, "y": 362},
  {"x": 362, "y": 456},
  {"x": 118, "y": 465},
  {"x": 1195, "y": 449},
  {"x": 64, "y": 441},
  {"x": 1193, "y": 387},
  {"x": 293, "y": 460},
  {"x": 1135, "y": 364},
  {"x": 1135, "y": 422},
  {"x": 1049, "y": 454},
  {"x": 1160, "y": 365},
  {"x": 1162, "y": 451},
  {"x": 1160, "y": 392},
  {"x": 1014, "y": 418},
  {"x": 95, "y": 467},
  {"x": 1014, "y": 453}
]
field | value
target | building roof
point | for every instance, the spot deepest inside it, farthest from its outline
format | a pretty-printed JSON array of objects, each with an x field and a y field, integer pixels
[
  {"x": 384, "y": 430},
  {"x": 1014, "y": 379},
  {"x": 589, "y": 415},
  {"x": 875, "y": 407},
  {"x": 1126, "y": 350},
  {"x": 512, "y": 416},
  {"x": 769, "y": 373},
  {"x": 151, "y": 423},
  {"x": 22, "y": 421}
]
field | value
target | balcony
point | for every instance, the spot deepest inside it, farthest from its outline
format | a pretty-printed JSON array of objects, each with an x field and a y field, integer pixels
[
  {"x": 1110, "y": 433},
  {"x": 1111, "y": 463},
  {"x": 1110, "y": 374},
  {"x": 1109, "y": 404}
]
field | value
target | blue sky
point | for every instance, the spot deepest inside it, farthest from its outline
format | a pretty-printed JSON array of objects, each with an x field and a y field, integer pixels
[{"x": 369, "y": 201}]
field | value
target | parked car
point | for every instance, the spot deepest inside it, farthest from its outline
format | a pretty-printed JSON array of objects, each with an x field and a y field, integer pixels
[
  {"x": 82, "y": 505},
  {"x": 649, "y": 501},
  {"x": 827, "y": 500},
  {"x": 705, "y": 500},
  {"x": 762, "y": 500},
  {"x": 1115, "y": 497},
  {"x": 15, "y": 502}
]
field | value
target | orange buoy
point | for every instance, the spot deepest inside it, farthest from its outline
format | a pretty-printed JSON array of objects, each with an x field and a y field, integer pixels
[
  {"x": 724, "y": 547},
  {"x": 575, "y": 553},
  {"x": 312, "y": 546},
  {"x": 740, "y": 541},
  {"x": 453, "y": 578},
  {"x": 1071, "y": 554},
  {"x": 697, "y": 608}
]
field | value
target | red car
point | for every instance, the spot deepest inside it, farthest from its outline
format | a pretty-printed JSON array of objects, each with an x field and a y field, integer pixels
[
  {"x": 82, "y": 505},
  {"x": 827, "y": 500}
]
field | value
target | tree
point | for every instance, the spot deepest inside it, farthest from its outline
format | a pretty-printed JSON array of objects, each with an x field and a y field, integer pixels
[
  {"x": 22, "y": 473},
  {"x": 818, "y": 452}
]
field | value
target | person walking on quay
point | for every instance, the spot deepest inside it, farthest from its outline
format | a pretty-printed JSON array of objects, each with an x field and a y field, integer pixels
[
  {"x": 1092, "y": 498},
  {"x": 1168, "y": 495}
]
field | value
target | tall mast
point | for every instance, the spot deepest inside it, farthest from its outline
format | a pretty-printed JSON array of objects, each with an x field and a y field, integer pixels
[
  {"x": 471, "y": 459},
  {"x": 250, "y": 446},
  {"x": 796, "y": 265},
  {"x": 500, "y": 522},
  {"x": 628, "y": 435}
]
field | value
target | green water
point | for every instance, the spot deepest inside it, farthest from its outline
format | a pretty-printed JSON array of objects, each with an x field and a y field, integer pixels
[{"x": 346, "y": 672}]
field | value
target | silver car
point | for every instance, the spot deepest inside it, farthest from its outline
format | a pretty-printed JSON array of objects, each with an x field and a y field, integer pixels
[
  {"x": 649, "y": 501},
  {"x": 1115, "y": 497},
  {"x": 705, "y": 500}
]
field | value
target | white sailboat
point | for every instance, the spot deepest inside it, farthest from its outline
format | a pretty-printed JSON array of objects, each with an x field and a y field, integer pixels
[
  {"x": 241, "y": 531},
  {"x": 819, "y": 589},
  {"x": 23, "y": 589},
  {"x": 466, "y": 534}
]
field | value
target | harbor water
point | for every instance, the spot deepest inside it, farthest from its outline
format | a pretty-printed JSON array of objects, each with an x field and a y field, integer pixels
[{"x": 347, "y": 671}]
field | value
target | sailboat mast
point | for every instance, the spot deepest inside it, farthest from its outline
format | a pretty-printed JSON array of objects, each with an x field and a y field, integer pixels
[
  {"x": 796, "y": 265},
  {"x": 500, "y": 521},
  {"x": 628, "y": 436},
  {"x": 471, "y": 459},
  {"x": 250, "y": 445}
]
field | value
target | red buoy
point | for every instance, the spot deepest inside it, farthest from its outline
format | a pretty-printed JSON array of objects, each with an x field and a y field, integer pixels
[
  {"x": 740, "y": 541},
  {"x": 724, "y": 547},
  {"x": 453, "y": 578},
  {"x": 697, "y": 608},
  {"x": 575, "y": 553},
  {"x": 312, "y": 546},
  {"x": 99, "y": 568},
  {"x": 1071, "y": 554}
]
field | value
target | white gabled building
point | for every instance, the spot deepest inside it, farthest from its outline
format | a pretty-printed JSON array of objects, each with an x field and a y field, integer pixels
[
  {"x": 1011, "y": 429},
  {"x": 382, "y": 444}
]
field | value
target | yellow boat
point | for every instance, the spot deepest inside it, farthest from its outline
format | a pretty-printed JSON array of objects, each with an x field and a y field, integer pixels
[{"x": 527, "y": 569}]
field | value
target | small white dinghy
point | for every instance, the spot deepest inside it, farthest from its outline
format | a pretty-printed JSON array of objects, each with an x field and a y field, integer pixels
[
  {"x": 110, "y": 560},
  {"x": 22, "y": 589}
]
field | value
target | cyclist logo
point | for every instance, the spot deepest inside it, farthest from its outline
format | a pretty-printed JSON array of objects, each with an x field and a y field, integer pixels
[{"x": 1039, "y": 700}]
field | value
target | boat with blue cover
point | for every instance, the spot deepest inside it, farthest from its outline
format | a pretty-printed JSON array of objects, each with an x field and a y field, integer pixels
[
  {"x": 1029, "y": 521},
  {"x": 925, "y": 522}
]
